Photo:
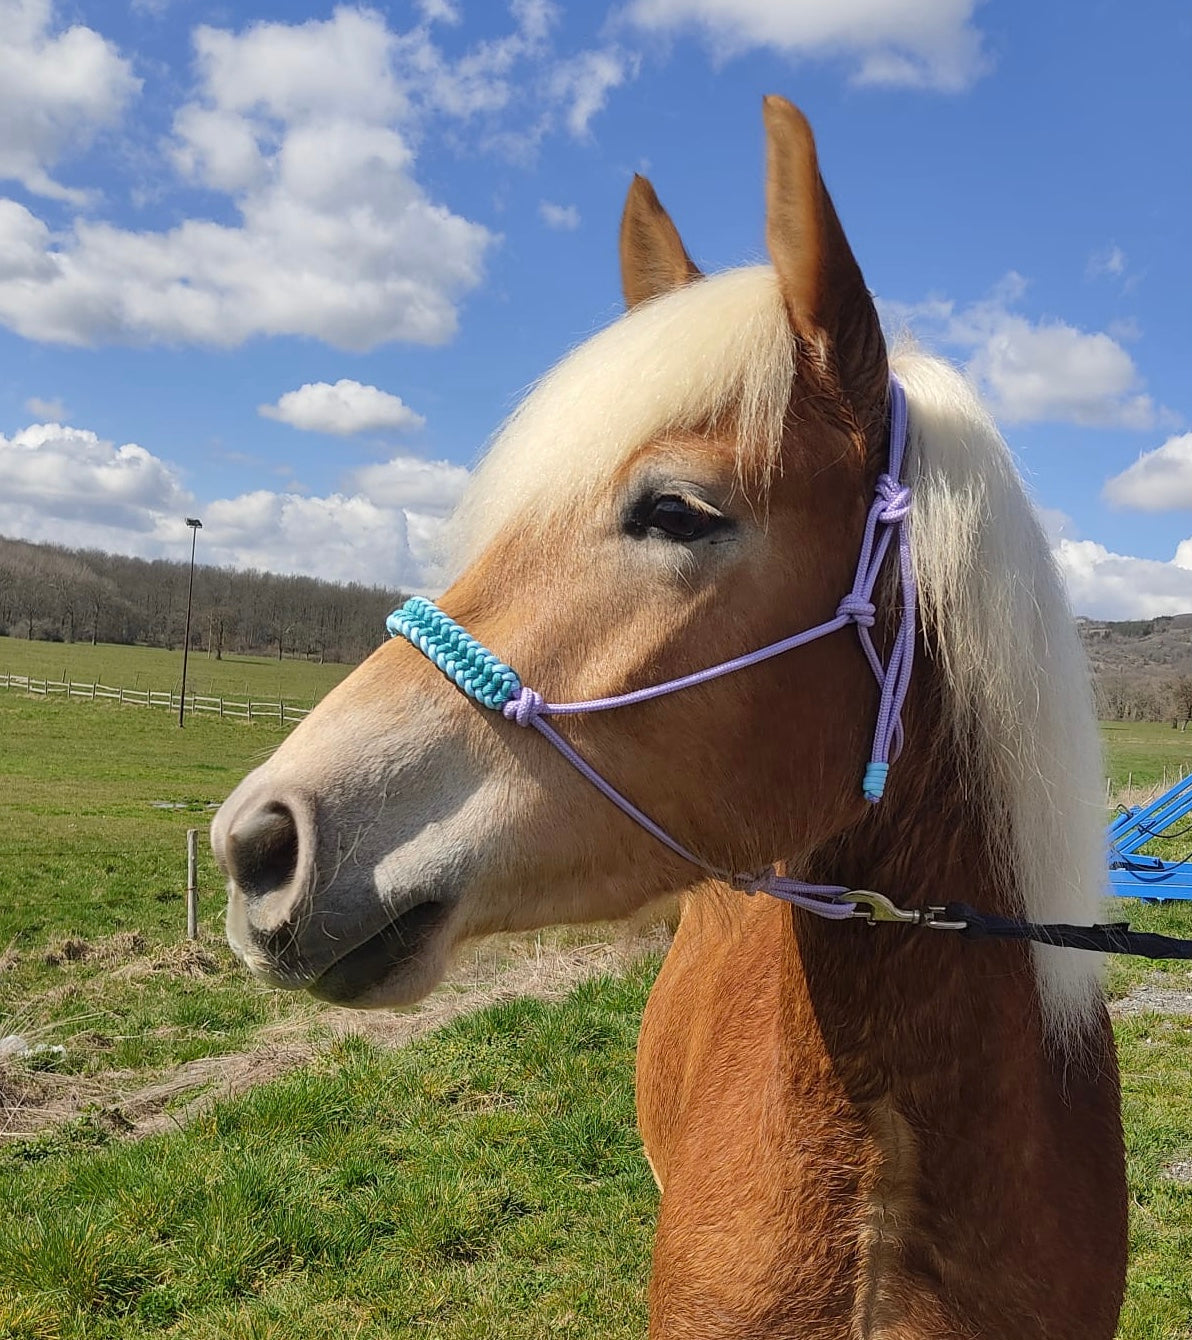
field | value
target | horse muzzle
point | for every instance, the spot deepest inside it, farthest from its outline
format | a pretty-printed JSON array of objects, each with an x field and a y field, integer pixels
[{"x": 305, "y": 917}]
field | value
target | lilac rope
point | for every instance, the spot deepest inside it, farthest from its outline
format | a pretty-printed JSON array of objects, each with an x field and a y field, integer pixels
[
  {"x": 887, "y": 520},
  {"x": 841, "y": 620},
  {"x": 817, "y": 898}
]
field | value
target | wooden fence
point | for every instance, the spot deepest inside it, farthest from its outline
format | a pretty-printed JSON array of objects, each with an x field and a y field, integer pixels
[{"x": 247, "y": 709}]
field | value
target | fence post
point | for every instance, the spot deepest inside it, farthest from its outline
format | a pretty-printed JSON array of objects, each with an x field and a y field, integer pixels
[{"x": 192, "y": 883}]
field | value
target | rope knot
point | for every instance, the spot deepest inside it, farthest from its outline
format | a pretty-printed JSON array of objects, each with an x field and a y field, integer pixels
[
  {"x": 858, "y": 609},
  {"x": 524, "y": 706},
  {"x": 896, "y": 500},
  {"x": 759, "y": 882}
]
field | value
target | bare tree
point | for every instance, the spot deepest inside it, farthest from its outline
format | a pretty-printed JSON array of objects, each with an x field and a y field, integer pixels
[{"x": 51, "y": 591}]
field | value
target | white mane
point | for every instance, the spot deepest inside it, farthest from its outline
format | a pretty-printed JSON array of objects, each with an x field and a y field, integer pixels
[
  {"x": 993, "y": 604},
  {"x": 716, "y": 349}
]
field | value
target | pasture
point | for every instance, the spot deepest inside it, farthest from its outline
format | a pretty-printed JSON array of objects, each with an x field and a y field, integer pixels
[
  {"x": 161, "y": 670},
  {"x": 95, "y": 801},
  {"x": 1146, "y": 752},
  {"x": 485, "y": 1179}
]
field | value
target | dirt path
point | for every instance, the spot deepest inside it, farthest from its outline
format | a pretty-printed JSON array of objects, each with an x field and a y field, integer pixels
[
  {"x": 1165, "y": 994},
  {"x": 32, "y": 1101}
]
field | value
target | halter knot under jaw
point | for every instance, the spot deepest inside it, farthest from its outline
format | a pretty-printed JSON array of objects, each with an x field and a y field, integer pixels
[{"x": 761, "y": 881}]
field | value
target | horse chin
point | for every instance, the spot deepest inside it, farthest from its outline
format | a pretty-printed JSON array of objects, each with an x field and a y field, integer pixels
[{"x": 399, "y": 965}]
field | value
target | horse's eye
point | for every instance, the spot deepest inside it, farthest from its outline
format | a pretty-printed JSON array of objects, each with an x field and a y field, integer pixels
[{"x": 676, "y": 517}]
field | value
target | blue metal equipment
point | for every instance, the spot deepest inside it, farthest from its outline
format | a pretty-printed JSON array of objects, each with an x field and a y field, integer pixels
[{"x": 1151, "y": 878}]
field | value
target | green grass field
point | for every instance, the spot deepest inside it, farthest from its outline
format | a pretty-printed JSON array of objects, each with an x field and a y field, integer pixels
[
  {"x": 484, "y": 1181},
  {"x": 155, "y": 668},
  {"x": 95, "y": 801},
  {"x": 1145, "y": 751}
]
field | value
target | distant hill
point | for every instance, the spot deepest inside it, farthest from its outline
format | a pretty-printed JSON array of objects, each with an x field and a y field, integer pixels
[{"x": 1142, "y": 668}]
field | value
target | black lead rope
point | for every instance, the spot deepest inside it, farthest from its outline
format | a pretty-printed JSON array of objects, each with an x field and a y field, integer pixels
[{"x": 1115, "y": 938}]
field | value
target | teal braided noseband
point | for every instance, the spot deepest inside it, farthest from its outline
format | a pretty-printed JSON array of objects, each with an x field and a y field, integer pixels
[{"x": 455, "y": 651}]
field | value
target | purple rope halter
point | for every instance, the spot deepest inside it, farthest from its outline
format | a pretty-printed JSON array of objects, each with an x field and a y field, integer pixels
[{"x": 494, "y": 685}]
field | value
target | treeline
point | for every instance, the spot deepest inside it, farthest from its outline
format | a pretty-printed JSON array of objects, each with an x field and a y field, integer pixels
[
  {"x": 55, "y": 594},
  {"x": 1124, "y": 697},
  {"x": 1142, "y": 668}
]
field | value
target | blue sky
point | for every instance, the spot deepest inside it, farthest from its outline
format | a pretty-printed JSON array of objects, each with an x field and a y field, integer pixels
[{"x": 286, "y": 266}]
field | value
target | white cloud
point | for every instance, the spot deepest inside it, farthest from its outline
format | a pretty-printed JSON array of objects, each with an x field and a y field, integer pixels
[
  {"x": 70, "y": 474},
  {"x": 307, "y": 132},
  {"x": 1158, "y": 481},
  {"x": 57, "y": 89},
  {"x": 1105, "y": 585},
  {"x": 516, "y": 75},
  {"x": 486, "y": 80},
  {"x": 918, "y": 43},
  {"x": 24, "y": 244},
  {"x": 52, "y": 410},
  {"x": 562, "y": 217},
  {"x": 410, "y": 482},
  {"x": 1053, "y": 371},
  {"x": 340, "y": 538},
  {"x": 1111, "y": 262},
  {"x": 440, "y": 11},
  {"x": 584, "y": 82},
  {"x": 535, "y": 18},
  {"x": 425, "y": 492},
  {"x": 337, "y": 68},
  {"x": 218, "y": 148},
  {"x": 69, "y": 486},
  {"x": 344, "y": 408},
  {"x": 1124, "y": 329},
  {"x": 336, "y": 239},
  {"x": 1057, "y": 525},
  {"x": 1034, "y": 372}
]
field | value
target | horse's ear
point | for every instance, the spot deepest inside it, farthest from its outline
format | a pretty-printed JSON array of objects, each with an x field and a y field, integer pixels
[
  {"x": 653, "y": 257},
  {"x": 820, "y": 280}
]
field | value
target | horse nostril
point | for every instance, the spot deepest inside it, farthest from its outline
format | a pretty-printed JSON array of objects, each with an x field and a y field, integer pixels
[{"x": 262, "y": 850}]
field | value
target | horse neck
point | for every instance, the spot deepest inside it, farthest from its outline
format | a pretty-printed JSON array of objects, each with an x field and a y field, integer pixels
[
  {"x": 896, "y": 1086},
  {"x": 888, "y": 998}
]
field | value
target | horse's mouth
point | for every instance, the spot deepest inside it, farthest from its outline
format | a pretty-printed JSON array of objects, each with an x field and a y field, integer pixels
[{"x": 397, "y": 966}]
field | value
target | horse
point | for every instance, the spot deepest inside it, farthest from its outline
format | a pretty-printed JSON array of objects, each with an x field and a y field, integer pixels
[{"x": 857, "y": 1130}]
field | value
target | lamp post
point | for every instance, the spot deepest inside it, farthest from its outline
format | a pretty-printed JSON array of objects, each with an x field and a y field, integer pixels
[{"x": 195, "y": 526}]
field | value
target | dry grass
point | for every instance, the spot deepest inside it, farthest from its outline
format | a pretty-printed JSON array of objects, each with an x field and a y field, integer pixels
[{"x": 134, "y": 1104}]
